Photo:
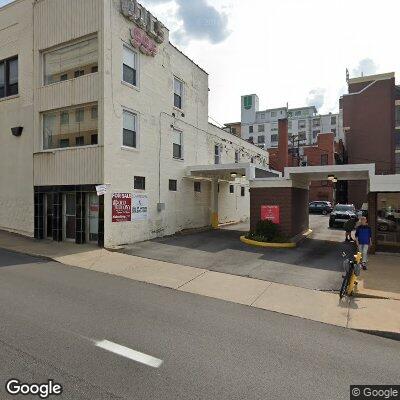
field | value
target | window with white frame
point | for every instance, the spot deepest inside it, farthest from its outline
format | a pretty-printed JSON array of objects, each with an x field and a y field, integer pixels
[
  {"x": 217, "y": 154},
  {"x": 129, "y": 66},
  {"x": 261, "y": 139},
  {"x": 129, "y": 133},
  {"x": 302, "y": 124},
  {"x": 177, "y": 146},
  {"x": 178, "y": 93},
  {"x": 274, "y": 126},
  {"x": 9, "y": 77},
  {"x": 333, "y": 120},
  {"x": 71, "y": 61},
  {"x": 237, "y": 156},
  {"x": 261, "y": 128}
]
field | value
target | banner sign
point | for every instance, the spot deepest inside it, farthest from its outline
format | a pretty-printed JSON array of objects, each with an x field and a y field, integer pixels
[
  {"x": 140, "y": 205},
  {"x": 271, "y": 213},
  {"x": 101, "y": 190},
  {"x": 121, "y": 207}
]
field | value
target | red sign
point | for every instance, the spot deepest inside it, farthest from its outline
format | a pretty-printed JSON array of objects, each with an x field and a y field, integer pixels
[
  {"x": 140, "y": 40},
  {"x": 121, "y": 207},
  {"x": 270, "y": 213}
]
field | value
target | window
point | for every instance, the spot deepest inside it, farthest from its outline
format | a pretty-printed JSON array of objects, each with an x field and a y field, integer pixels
[
  {"x": 297, "y": 113},
  {"x": 95, "y": 69},
  {"x": 237, "y": 156},
  {"x": 261, "y": 139},
  {"x": 217, "y": 154},
  {"x": 273, "y": 114},
  {"x": 94, "y": 112},
  {"x": 397, "y": 115},
  {"x": 324, "y": 159},
  {"x": 197, "y": 186},
  {"x": 71, "y": 61},
  {"x": 231, "y": 189},
  {"x": 302, "y": 136},
  {"x": 9, "y": 77},
  {"x": 333, "y": 120},
  {"x": 316, "y": 122},
  {"x": 274, "y": 138},
  {"x": 129, "y": 129},
  {"x": 302, "y": 124},
  {"x": 274, "y": 127},
  {"x": 233, "y": 131},
  {"x": 261, "y": 128},
  {"x": 64, "y": 118},
  {"x": 261, "y": 116},
  {"x": 315, "y": 134},
  {"x": 242, "y": 191},
  {"x": 139, "y": 183},
  {"x": 59, "y": 130},
  {"x": 251, "y": 129},
  {"x": 129, "y": 66},
  {"x": 94, "y": 139},
  {"x": 177, "y": 145},
  {"x": 79, "y": 115},
  {"x": 178, "y": 93},
  {"x": 252, "y": 160},
  {"x": 173, "y": 185},
  {"x": 333, "y": 131},
  {"x": 251, "y": 139}
]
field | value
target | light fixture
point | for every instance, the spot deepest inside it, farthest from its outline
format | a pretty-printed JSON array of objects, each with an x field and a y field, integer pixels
[
  {"x": 331, "y": 177},
  {"x": 334, "y": 180},
  {"x": 233, "y": 174}
]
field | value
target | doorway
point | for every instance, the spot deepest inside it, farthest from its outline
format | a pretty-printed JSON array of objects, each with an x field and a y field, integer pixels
[
  {"x": 69, "y": 216},
  {"x": 48, "y": 215},
  {"x": 92, "y": 218}
]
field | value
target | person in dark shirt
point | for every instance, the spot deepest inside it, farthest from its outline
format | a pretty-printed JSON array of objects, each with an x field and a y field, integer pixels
[
  {"x": 349, "y": 227},
  {"x": 364, "y": 240}
]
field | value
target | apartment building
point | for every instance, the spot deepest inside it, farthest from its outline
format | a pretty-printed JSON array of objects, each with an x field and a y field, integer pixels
[
  {"x": 305, "y": 124},
  {"x": 104, "y": 124}
]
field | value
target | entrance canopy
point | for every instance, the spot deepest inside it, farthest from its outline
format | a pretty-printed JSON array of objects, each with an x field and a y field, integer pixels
[{"x": 230, "y": 172}]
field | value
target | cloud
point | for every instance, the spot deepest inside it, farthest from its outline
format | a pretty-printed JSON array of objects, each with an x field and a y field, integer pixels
[
  {"x": 365, "y": 66},
  {"x": 198, "y": 20},
  {"x": 316, "y": 97}
]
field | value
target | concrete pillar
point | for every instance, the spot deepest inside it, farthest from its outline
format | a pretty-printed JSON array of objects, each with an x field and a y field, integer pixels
[{"x": 214, "y": 203}]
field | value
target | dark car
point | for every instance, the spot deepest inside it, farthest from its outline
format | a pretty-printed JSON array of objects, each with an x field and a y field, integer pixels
[
  {"x": 320, "y": 207},
  {"x": 341, "y": 214}
]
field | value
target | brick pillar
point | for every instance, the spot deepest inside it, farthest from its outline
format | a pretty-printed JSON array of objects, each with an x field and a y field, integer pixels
[{"x": 283, "y": 146}]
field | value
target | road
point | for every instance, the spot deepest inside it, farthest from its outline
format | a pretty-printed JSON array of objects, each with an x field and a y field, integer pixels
[
  {"x": 52, "y": 317},
  {"x": 315, "y": 264}
]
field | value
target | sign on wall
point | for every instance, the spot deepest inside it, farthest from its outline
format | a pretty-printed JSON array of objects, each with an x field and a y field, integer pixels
[
  {"x": 271, "y": 213},
  {"x": 140, "y": 205},
  {"x": 121, "y": 207}
]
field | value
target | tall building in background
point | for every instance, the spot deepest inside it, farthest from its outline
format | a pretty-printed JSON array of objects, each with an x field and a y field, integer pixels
[
  {"x": 371, "y": 121},
  {"x": 305, "y": 124}
]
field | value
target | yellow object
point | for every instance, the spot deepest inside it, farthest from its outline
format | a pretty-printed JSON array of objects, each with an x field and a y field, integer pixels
[
  {"x": 358, "y": 257},
  {"x": 288, "y": 245},
  {"x": 351, "y": 285},
  {"x": 214, "y": 220}
]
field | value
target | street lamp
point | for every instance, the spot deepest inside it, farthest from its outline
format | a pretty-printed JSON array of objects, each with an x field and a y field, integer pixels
[{"x": 233, "y": 174}]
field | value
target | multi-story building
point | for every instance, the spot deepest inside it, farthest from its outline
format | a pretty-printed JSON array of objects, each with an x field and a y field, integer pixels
[
  {"x": 261, "y": 127},
  {"x": 371, "y": 120},
  {"x": 235, "y": 128},
  {"x": 94, "y": 99}
]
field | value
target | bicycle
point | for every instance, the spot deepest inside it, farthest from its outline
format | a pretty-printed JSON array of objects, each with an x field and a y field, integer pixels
[{"x": 352, "y": 269}]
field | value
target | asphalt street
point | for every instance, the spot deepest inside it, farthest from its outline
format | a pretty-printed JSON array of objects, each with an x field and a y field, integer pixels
[
  {"x": 69, "y": 324},
  {"x": 315, "y": 264}
]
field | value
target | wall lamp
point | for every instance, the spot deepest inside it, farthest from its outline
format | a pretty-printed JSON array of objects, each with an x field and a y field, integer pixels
[
  {"x": 17, "y": 130},
  {"x": 233, "y": 174},
  {"x": 331, "y": 177}
]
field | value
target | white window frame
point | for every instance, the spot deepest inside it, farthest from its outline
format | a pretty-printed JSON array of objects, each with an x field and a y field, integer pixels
[
  {"x": 137, "y": 66},
  {"x": 219, "y": 155},
  {"x": 137, "y": 126},
  {"x": 182, "y": 93},
  {"x": 173, "y": 142}
]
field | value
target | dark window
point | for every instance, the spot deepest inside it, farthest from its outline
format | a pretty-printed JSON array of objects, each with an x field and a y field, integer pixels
[
  {"x": 94, "y": 138},
  {"x": 9, "y": 77},
  {"x": 129, "y": 66},
  {"x": 231, "y": 189},
  {"x": 261, "y": 139},
  {"x": 79, "y": 115},
  {"x": 140, "y": 183},
  {"x": 129, "y": 129},
  {"x": 217, "y": 154},
  {"x": 237, "y": 156},
  {"x": 233, "y": 131},
  {"x": 173, "y": 185},
  {"x": 64, "y": 118},
  {"x": 242, "y": 191},
  {"x": 251, "y": 139},
  {"x": 178, "y": 93},
  {"x": 333, "y": 120},
  {"x": 64, "y": 142},
  {"x": 129, "y": 75},
  {"x": 95, "y": 69},
  {"x": 324, "y": 159},
  {"x": 80, "y": 141},
  {"x": 79, "y": 72},
  {"x": 251, "y": 129},
  {"x": 252, "y": 160},
  {"x": 64, "y": 77},
  {"x": 177, "y": 145},
  {"x": 274, "y": 138},
  {"x": 197, "y": 186},
  {"x": 94, "y": 112}
]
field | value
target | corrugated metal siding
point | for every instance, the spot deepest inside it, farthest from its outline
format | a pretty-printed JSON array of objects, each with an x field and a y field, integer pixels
[
  {"x": 76, "y": 166},
  {"x": 65, "y": 20},
  {"x": 75, "y": 91}
]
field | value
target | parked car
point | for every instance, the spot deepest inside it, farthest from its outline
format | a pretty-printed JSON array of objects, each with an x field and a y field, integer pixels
[
  {"x": 320, "y": 207},
  {"x": 386, "y": 225},
  {"x": 342, "y": 213}
]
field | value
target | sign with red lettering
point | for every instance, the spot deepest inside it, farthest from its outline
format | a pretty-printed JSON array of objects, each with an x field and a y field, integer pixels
[
  {"x": 121, "y": 207},
  {"x": 271, "y": 213}
]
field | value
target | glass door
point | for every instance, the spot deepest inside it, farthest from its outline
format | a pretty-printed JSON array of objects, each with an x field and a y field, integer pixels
[
  {"x": 92, "y": 219},
  {"x": 48, "y": 215},
  {"x": 69, "y": 216}
]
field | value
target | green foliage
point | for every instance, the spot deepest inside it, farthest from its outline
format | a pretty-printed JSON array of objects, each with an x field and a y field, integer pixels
[{"x": 267, "y": 231}]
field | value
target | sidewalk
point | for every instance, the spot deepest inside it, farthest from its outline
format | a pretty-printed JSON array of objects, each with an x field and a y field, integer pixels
[{"x": 360, "y": 313}]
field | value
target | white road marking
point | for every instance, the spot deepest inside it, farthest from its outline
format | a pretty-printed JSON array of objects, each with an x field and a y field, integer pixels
[{"x": 129, "y": 353}]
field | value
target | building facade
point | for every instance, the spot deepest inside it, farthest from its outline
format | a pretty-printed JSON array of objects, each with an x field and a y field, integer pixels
[
  {"x": 106, "y": 105},
  {"x": 371, "y": 120},
  {"x": 261, "y": 127}
]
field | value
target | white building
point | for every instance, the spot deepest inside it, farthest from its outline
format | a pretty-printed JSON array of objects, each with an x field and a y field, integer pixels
[
  {"x": 106, "y": 99},
  {"x": 305, "y": 124}
]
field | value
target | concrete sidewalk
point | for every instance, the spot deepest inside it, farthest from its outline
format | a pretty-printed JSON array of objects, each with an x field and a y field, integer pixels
[{"x": 363, "y": 314}]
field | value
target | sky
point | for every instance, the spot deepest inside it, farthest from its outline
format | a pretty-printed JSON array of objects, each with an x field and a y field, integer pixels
[{"x": 285, "y": 51}]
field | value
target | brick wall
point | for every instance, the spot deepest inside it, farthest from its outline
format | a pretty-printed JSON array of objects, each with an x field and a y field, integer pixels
[{"x": 293, "y": 203}]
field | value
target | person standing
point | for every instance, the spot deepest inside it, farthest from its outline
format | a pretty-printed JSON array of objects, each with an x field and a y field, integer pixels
[
  {"x": 364, "y": 240},
  {"x": 349, "y": 226}
]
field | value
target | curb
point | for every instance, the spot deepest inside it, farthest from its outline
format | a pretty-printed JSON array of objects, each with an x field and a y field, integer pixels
[{"x": 250, "y": 242}]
